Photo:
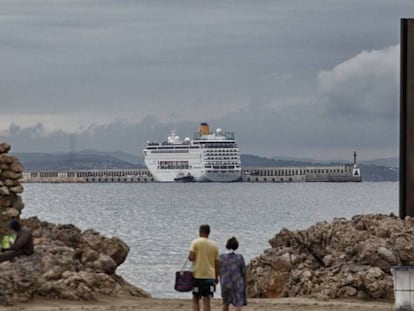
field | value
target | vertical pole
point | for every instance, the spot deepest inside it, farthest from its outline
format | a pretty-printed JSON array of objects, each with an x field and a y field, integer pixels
[{"x": 407, "y": 119}]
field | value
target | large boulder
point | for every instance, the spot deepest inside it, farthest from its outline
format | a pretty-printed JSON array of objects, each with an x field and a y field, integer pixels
[
  {"x": 341, "y": 259},
  {"x": 67, "y": 264}
]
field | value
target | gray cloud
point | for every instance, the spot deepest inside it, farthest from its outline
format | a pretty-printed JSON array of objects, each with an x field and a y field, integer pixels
[
  {"x": 364, "y": 87},
  {"x": 288, "y": 77}
]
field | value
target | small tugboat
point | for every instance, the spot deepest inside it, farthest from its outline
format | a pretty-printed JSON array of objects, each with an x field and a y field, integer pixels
[{"x": 181, "y": 177}]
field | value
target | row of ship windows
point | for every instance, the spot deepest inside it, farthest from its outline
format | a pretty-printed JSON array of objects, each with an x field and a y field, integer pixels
[
  {"x": 222, "y": 158},
  {"x": 171, "y": 165},
  {"x": 220, "y": 145},
  {"x": 177, "y": 150},
  {"x": 172, "y": 162},
  {"x": 174, "y": 167},
  {"x": 197, "y": 145},
  {"x": 169, "y": 151},
  {"x": 170, "y": 146},
  {"x": 218, "y": 167},
  {"x": 292, "y": 172},
  {"x": 223, "y": 155},
  {"x": 223, "y": 163},
  {"x": 221, "y": 151}
]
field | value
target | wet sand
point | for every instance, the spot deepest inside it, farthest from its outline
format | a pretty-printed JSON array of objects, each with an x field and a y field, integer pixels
[{"x": 128, "y": 303}]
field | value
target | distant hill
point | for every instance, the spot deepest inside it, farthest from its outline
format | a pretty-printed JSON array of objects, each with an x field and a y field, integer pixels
[
  {"x": 91, "y": 159},
  {"x": 249, "y": 160},
  {"x": 120, "y": 155},
  {"x": 388, "y": 162},
  {"x": 296, "y": 159},
  {"x": 72, "y": 161}
]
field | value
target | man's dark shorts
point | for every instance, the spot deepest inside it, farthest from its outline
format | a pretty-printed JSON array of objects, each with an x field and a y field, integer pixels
[{"x": 204, "y": 287}]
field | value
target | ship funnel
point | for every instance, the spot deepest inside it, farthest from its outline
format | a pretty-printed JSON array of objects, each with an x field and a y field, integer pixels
[{"x": 204, "y": 129}]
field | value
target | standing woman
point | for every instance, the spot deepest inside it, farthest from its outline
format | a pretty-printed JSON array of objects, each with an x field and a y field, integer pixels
[{"x": 233, "y": 279}]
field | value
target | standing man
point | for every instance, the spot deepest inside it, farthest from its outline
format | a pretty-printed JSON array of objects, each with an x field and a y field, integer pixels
[{"x": 204, "y": 254}]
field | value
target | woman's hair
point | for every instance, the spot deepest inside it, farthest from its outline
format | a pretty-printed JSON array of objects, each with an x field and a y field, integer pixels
[{"x": 232, "y": 243}]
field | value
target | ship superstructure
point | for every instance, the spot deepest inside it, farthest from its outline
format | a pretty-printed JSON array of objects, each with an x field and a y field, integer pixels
[{"x": 209, "y": 156}]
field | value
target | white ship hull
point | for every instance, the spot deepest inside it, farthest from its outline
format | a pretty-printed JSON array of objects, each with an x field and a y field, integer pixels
[
  {"x": 207, "y": 158},
  {"x": 222, "y": 177}
]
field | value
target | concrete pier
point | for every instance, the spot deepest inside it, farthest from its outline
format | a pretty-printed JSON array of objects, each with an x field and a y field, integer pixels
[
  {"x": 89, "y": 176},
  {"x": 336, "y": 173}
]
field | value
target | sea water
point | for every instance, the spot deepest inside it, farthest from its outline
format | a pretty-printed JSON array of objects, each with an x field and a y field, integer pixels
[{"x": 159, "y": 220}]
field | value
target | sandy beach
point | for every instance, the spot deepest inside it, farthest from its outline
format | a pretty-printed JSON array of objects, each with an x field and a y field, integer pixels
[{"x": 128, "y": 303}]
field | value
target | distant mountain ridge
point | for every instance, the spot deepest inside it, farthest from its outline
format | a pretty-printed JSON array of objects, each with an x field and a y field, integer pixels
[
  {"x": 387, "y": 162},
  {"x": 120, "y": 155},
  {"x": 92, "y": 159},
  {"x": 249, "y": 160},
  {"x": 76, "y": 161}
]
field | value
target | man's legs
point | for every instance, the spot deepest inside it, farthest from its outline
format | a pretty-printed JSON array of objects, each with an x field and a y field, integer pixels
[
  {"x": 225, "y": 307},
  {"x": 203, "y": 289},
  {"x": 196, "y": 303},
  {"x": 206, "y": 303}
]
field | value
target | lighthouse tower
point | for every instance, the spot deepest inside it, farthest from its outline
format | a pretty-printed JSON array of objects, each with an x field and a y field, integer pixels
[{"x": 356, "y": 171}]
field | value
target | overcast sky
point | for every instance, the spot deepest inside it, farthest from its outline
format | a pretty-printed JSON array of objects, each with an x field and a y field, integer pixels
[{"x": 303, "y": 78}]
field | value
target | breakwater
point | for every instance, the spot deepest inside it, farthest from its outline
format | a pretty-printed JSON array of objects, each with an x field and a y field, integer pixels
[{"x": 329, "y": 173}]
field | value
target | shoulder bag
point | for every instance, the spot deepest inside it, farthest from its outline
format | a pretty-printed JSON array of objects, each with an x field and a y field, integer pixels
[{"x": 183, "y": 279}]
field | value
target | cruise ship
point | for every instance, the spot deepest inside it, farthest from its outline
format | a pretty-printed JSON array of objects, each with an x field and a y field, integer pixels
[{"x": 209, "y": 156}]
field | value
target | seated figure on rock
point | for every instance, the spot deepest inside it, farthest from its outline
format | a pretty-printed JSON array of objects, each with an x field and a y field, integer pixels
[{"x": 23, "y": 245}]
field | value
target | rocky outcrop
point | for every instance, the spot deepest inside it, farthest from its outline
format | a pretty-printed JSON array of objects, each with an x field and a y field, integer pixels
[
  {"x": 344, "y": 258},
  {"x": 67, "y": 264},
  {"x": 11, "y": 171}
]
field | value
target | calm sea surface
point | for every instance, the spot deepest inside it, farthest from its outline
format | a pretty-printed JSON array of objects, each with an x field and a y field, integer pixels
[{"x": 158, "y": 221}]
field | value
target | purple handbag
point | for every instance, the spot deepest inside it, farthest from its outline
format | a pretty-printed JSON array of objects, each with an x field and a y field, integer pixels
[{"x": 183, "y": 280}]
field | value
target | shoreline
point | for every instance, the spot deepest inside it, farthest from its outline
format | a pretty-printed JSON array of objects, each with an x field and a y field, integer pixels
[{"x": 127, "y": 303}]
